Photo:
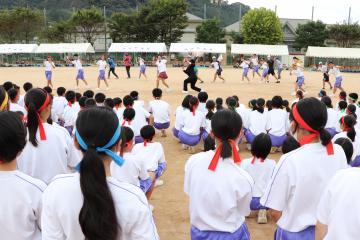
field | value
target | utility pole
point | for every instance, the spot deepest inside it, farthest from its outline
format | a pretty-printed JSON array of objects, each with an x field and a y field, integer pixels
[
  {"x": 312, "y": 13},
  {"x": 349, "y": 16},
  {"x": 240, "y": 16},
  {"x": 105, "y": 49},
  {"x": 205, "y": 11},
  {"x": 45, "y": 17},
  {"x": 276, "y": 10}
]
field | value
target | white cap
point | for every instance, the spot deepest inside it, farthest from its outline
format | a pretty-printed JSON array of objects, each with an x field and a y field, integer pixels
[
  {"x": 320, "y": 63},
  {"x": 213, "y": 57}
]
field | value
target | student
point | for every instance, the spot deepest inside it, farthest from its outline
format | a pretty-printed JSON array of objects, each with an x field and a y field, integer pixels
[
  {"x": 14, "y": 106},
  {"x": 90, "y": 102},
  {"x": 332, "y": 123},
  {"x": 20, "y": 202},
  {"x": 142, "y": 70},
  {"x": 276, "y": 123},
  {"x": 347, "y": 146},
  {"x": 27, "y": 86},
  {"x": 260, "y": 169},
  {"x": 255, "y": 65},
  {"x": 203, "y": 97},
  {"x": 4, "y": 100},
  {"x": 290, "y": 144},
  {"x": 179, "y": 115},
  {"x": 245, "y": 66},
  {"x": 353, "y": 99},
  {"x": 257, "y": 122},
  {"x": 271, "y": 71},
  {"x": 102, "y": 66},
  {"x": 89, "y": 94},
  {"x": 268, "y": 106},
  {"x": 109, "y": 102},
  {"x": 279, "y": 66},
  {"x": 100, "y": 99},
  {"x": 218, "y": 69},
  {"x": 325, "y": 71},
  {"x": 49, "y": 66},
  {"x": 118, "y": 108},
  {"x": 351, "y": 110},
  {"x": 192, "y": 78},
  {"x": 287, "y": 196},
  {"x": 161, "y": 69},
  {"x": 209, "y": 142},
  {"x": 298, "y": 96},
  {"x": 265, "y": 69},
  {"x": 342, "y": 97},
  {"x": 58, "y": 106},
  {"x": 194, "y": 121},
  {"x": 300, "y": 79},
  {"x": 117, "y": 205},
  {"x": 334, "y": 70},
  {"x": 8, "y": 85},
  {"x": 77, "y": 98},
  {"x": 128, "y": 118},
  {"x": 342, "y": 107},
  {"x": 127, "y": 64},
  {"x": 231, "y": 103},
  {"x": 48, "y": 90},
  {"x": 322, "y": 94},
  {"x": 80, "y": 70},
  {"x": 219, "y": 104},
  {"x": 161, "y": 112},
  {"x": 137, "y": 101},
  {"x": 112, "y": 66},
  {"x": 212, "y": 178},
  {"x": 82, "y": 102},
  {"x": 49, "y": 150},
  {"x": 70, "y": 112}
]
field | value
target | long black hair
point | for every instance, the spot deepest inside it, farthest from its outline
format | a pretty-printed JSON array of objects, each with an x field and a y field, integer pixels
[
  {"x": 210, "y": 106},
  {"x": 226, "y": 125},
  {"x": 260, "y": 103},
  {"x": 3, "y": 96},
  {"x": 97, "y": 217},
  {"x": 349, "y": 123}
]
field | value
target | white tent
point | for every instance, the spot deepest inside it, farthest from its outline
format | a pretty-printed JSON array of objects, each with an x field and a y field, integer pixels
[
  {"x": 137, "y": 47},
  {"x": 198, "y": 48},
  {"x": 275, "y": 50},
  {"x": 17, "y": 48},
  {"x": 333, "y": 52},
  {"x": 65, "y": 48}
]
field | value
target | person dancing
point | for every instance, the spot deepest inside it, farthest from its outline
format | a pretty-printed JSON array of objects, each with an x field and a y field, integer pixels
[
  {"x": 80, "y": 70},
  {"x": 142, "y": 67},
  {"x": 49, "y": 66},
  {"x": 161, "y": 69},
  {"x": 112, "y": 66},
  {"x": 127, "y": 63},
  {"x": 192, "y": 79}
]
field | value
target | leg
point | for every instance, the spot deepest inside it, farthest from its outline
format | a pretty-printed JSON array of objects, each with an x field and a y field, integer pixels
[
  {"x": 323, "y": 84},
  {"x": 98, "y": 82},
  {"x": 164, "y": 82},
  {"x": 157, "y": 82},
  {"x": 106, "y": 83},
  {"x": 128, "y": 71},
  {"x": 85, "y": 82},
  {"x": 215, "y": 75},
  {"x": 186, "y": 81},
  {"x": 77, "y": 82},
  {"x": 192, "y": 84},
  {"x": 113, "y": 71},
  {"x": 109, "y": 73}
]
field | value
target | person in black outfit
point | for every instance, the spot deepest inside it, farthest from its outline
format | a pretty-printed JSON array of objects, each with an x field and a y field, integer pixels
[
  {"x": 192, "y": 78},
  {"x": 271, "y": 71}
]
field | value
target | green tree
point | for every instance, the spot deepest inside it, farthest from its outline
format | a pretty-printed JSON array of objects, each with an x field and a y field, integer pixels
[
  {"x": 210, "y": 32},
  {"x": 345, "y": 35},
  {"x": 61, "y": 31},
  {"x": 8, "y": 33},
  {"x": 236, "y": 37},
  {"x": 89, "y": 22},
  {"x": 311, "y": 34},
  {"x": 123, "y": 27},
  {"x": 30, "y": 23},
  {"x": 261, "y": 26}
]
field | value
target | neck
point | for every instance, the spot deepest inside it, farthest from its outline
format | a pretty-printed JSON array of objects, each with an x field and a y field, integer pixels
[
  {"x": 106, "y": 162},
  {"x": 9, "y": 166}
]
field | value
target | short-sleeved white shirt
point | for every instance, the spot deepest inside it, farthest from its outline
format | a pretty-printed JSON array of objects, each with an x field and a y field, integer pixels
[
  {"x": 140, "y": 119},
  {"x": 255, "y": 61},
  {"x": 160, "y": 110},
  {"x": 192, "y": 124},
  {"x": 48, "y": 66},
  {"x": 152, "y": 154},
  {"x": 70, "y": 115},
  {"x": 324, "y": 69},
  {"x": 63, "y": 200},
  {"x": 161, "y": 65},
  {"x": 101, "y": 64},
  {"x": 335, "y": 71},
  {"x": 215, "y": 65},
  {"x": 57, "y": 108},
  {"x": 179, "y": 117},
  {"x": 264, "y": 66},
  {"x": 298, "y": 72},
  {"x": 244, "y": 114},
  {"x": 257, "y": 122},
  {"x": 356, "y": 143},
  {"x": 276, "y": 122},
  {"x": 333, "y": 119},
  {"x": 120, "y": 113},
  {"x": 14, "y": 107},
  {"x": 77, "y": 63},
  {"x": 202, "y": 108},
  {"x": 339, "y": 208},
  {"x": 218, "y": 200},
  {"x": 20, "y": 206},
  {"x": 298, "y": 180}
]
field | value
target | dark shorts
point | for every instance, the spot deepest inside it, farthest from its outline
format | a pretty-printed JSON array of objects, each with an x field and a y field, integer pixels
[
  {"x": 271, "y": 71},
  {"x": 326, "y": 78},
  {"x": 218, "y": 72},
  {"x": 163, "y": 75}
]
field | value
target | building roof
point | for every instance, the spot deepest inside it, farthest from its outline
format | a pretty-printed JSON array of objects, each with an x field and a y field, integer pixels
[{"x": 192, "y": 17}]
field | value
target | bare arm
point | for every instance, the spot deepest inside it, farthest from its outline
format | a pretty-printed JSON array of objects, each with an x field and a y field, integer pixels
[
  {"x": 275, "y": 215},
  {"x": 320, "y": 231}
]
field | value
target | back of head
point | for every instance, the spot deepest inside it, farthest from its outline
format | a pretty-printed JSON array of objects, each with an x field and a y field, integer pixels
[
  {"x": 342, "y": 105},
  {"x": 351, "y": 110},
  {"x": 129, "y": 114},
  {"x": 127, "y": 136},
  {"x": 299, "y": 94},
  {"x": 210, "y": 106},
  {"x": 70, "y": 96},
  {"x": 147, "y": 132},
  {"x": 260, "y": 103},
  {"x": 97, "y": 127},
  {"x": 82, "y": 101},
  {"x": 8, "y": 85},
  {"x": 89, "y": 94},
  {"x": 327, "y": 101},
  {"x": 347, "y": 146},
  {"x": 27, "y": 86},
  {"x": 109, "y": 102},
  {"x": 90, "y": 102},
  {"x": 48, "y": 89},
  {"x": 290, "y": 144},
  {"x": 100, "y": 98},
  {"x": 219, "y": 103},
  {"x": 134, "y": 95},
  {"x": 232, "y": 103},
  {"x": 157, "y": 93},
  {"x": 77, "y": 96},
  {"x": 193, "y": 102},
  {"x": 277, "y": 102},
  {"x": 185, "y": 102},
  {"x": 60, "y": 91},
  {"x": 342, "y": 95},
  {"x": 13, "y": 93},
  {"x": 261, "y": 146},
  {"x": 353, "y": 97},
  {"x": 268, "y": 105},
  {"x": 203, "y": 97},
  {"x": 128, "y": 101},
  {"x": 348, "y": 122},
  {"x": 117, "y": 101}
]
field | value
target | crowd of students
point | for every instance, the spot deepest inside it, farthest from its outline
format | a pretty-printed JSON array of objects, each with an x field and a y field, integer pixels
[{"x": 83, "y": 166}]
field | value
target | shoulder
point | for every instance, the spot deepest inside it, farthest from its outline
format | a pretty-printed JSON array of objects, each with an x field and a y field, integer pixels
[
  {"x": 37, "y": 184},
  {"x": 198, "y": 158},
  {"x": 119, "y": 189}
]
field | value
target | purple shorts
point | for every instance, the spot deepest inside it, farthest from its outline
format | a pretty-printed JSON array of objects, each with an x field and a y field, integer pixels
[
  {"x": 142, "y": 69},
  {"x": 249, "y": 136},
  {"x": 175, "y": 132},
  {"x": 355, "y": 162},
  {"x": 241, "y": 234},
  {"x": 300, "y": 81},
  {"x": 255, "y": 204},
  {"x": 307, "y": 234},
  {"x": 277, "y": 141},
  {"x": 138, "y": 139},
  {"x": 48, "y": 75},
  {"x": 102, "y": 74},
  {"x": 80, "y": 75},
  {"x": 204, "y": 135},
  {"x": 332, "y": 131},
  {"x": 190, "y": 140},
  {"x": 338, "y": 82},
  {"x": 265, "y": 72},
  {"x": 70, "y": 129},
  {"x": 161, "y": 126},
  {"x": 256, "y": 68},
  {"x": 245, "y": 72}
]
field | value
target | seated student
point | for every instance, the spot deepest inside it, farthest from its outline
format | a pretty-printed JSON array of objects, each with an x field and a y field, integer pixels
[
  {"x": 194, "y": 122},
  {"x": 276, "y": 123},
  {"x": 109, "y": 102},
  {"x": 89, "y": 94},
  {"x": 332, "y": 123},
  {"x": 92, "y": 204},
  {"x": 347, "y": 146},
  {"x": 260, "y": 169},
  {"x": 8, "y": 85},
  {"x": 77, "y": 98},
  {"x": 70, "y": 112},
  {"x": 49, "y": 150},
  {"x": 161, "y": 112},
  {"x": 351, "y": 110},
  {"x": 128, "y": 117},
  {"x": 14, "y": 98},
  {"x": 268, "y": 106},
  {"x": 118, "y": 108},
  {"x": 342, "y": 97},
  {"x": 133, "y": 169},
  {"x": 203, "y": 97},
  {"x": 4, "y": 100},
  {"x": 231, "y": 103},
  {"x": 135, "y": 96},
  {"x": 100, "y": 98},
  {"x": 219, "y": 104},
  {"x": 342, "y": 106},
  {"x": 48, "y": 90},
  {"x": 179, "y": 115},
  {"x": 209, "y": 142},
  {"x": 90, "y": 102},
  {"x": 152, "y": 153},
  {"x": 20, "y": 202},
  {"x": 292, "y": 205},
  {"x": 58, "y": 106},
  {"x": 27, "y": 86},
  {"x": 290, "y": 144},
  {"x": 353, "y": 99},
  {"x": 82, "y": 102},
  {"x": 257, "y": 122},
  {"x": 211, "y": 181}
]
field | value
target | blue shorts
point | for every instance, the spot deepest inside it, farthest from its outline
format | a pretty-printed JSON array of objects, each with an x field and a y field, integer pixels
[
  {"x": 265, "y": 72},
  {"x": 161, "y": 126},
  {"x": 102, "y": 74},
  {"x": 48, "y": 75},
  {"x": 190, "y": 140},
  {"x": 142, "y": 69},
  {"x": 300, "y": 81},
  {"x": 241, "y": 234},
  {"x": 256, "y": 68},
  {"x": 306, "y": 234},
  {"x": 277, "y": 141},
  {"x": 338, "y": 82},
  {"x": 245, "y": 72},
  {"x": 80, "y": 75}
]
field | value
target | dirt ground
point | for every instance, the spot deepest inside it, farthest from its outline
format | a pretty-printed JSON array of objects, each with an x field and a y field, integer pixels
[{"x": 171, "y": 204}]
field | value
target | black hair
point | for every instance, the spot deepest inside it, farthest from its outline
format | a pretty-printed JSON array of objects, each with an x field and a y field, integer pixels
[
  {"x": 290, "y": 144},
  {"x": 127, "y": 135},
  {"x": 157, "y": 93},
  {"x": 16, "y": 87},
  {"x": 300, "y": 94},
  {"x": 128, "y": 101},
  {"x": 77, "y": 96},
  {"x": 89, "y": 94},
  {"x": 354, "y": 97},
  {"x": 237, "y": 100},
  {"x": 60, "y": 91},
  {"x": 347, "y": 146},
  {"x": 109, "y": 102},
  {"x": 286, "y": 105},
  {"x": 231, "y": 102},
  {"x": 261, "y": 146},
  {"x": 277, "y": 102},
  {"x": 147, "y": 132},
  {"x": 252, "y": 104},
  {"x": 349, "y": 122},
  {"x": 219, "y": 104},
  {"x": 90, "y": 102},
  {"x": 226, "y": 125},
  {"x": 12, "y": 137},
  {"x": 193, "y": 102},
  {"x": 342, "y": 105},
  {"x": 314, "y": 113},
  {"x": 100, "y": 98},
  {"x": 260, "y": 105},
  {"x": 129, "y": 114},
  {"x": 117, "y": 101},
  {"x": 210, "y": 106},
  {"x": 13, "y": 93},
  {"x": 97, "y": 216},
  {"x": 343, "y": 95},
  {"x": 203, "y": 97},
  {"x": 327, "y": 101},
  {"x": 82, "y": 101},
  {"x": 8, "y": 85},
  {"x": 76, "y": 55},
  {"x": 48, "y": 89},
  {"x": 27, "y": 86},
  {"x": 34, "y": 99},
  {"x": 268, "y": 105},
  {"x": 70, "y": 96},
  {"x": 351, "y": 108},
  {"x": 185, "y": 102},
  {"x": 134, "y": 95}
]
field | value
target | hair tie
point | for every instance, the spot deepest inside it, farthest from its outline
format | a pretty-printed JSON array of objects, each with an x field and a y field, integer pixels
[
  {"x": 40, "y": 124},
  {"x": 4, "y": 102},
  {"x": 146, "y": 141},
  {"x": 346, "y": 128},
  {"x": 214, "y": 162}
]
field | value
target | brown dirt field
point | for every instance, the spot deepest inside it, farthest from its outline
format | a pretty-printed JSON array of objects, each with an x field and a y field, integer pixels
[{"x": 171, "y": 204}]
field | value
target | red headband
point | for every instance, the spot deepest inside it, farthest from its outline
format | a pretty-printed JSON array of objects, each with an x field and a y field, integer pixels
[
  {"x": 346, "y": 128},
  {"x": 41, "y": 126},
  {"x": 69, "y": 104},
  {"x": 194, "y": 107},
  {"x": 215, "y": 160},
  {"x": 311, "y": 137},
  {"x": 146, "y": 141}
]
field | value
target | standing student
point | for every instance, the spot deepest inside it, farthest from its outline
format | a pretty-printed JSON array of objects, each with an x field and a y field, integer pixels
[
  {"x": 102, "y": 66},
  {"x": 192, "y": 78},
  {"x": 80, "y": 70},
  {"x": 218, "y": 69},
  {"x": 332, "y": 123},
  {"x": 325, "y": 72},
  {"x": 196, "y": 69},
  {"x": 4, "y": 100},
  {"x": 128, "y": 64},
  {"x": 161, "y": 112},
  {"x": 100, "y": 207},
  {"x": 179, "y": 115},
  {"x": 256, "y": 121},
  {"x": 20, "y": 202},
  {"x": 311, "y": 166},
  {"x": 161, "y": 70},
  {"x": 212, "y": 178},
  {"x": 255, "y": 65},
  {"x": 279, "y": 67},
  {"x": 245, "y": 66},
  {"x": 334, "y": 70},
  {"x": 265, "y": 69},
  {"x": 49, "y": 150},
  {"x": 260, "y": 168},
  {"x": 142, "y": 66},
  {"x": 49, "y": 66},
  {"x": 300, "y": 78},
  {"x": 271, "y": 71},
  {"x": 112, "y": 66},
  {"x": 276, "y": 123}
]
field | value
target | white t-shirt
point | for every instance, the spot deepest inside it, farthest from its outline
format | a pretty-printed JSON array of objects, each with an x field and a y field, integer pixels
[
  {"x": 339, "y": 208},
  {"x": 51, "y": 157},
  {"x": 63, "y": 199},
  {"x": 120, "y": 113},
  {"x": 21, "y": 101},
  {"x": 20, "y": 206},
  {"x": 324, "y": 69},
  {"x": 132, "y": 171},
  {"x": 161, "y": 111},
  {"x": 215, "y": 65},
  {"x": 356, "y": 143},
  {"x": 161, "y": 65},
  {"x": 335, "y": 71},
  {"x": 333, "y": 119},
  {"x": 264, "y": 66},
  {"x": 192, "y": 124},
  {"x": 14, "y": 107},
  {"x": 77, "y": 63},
  {"x": 298, "y": 72},
  {"x": 276, "y": 122},
  {"x": 70, "y": 115},
  {"x": 140, "y": 119},
  {"x": 49, "y": 66},
  {"x": 218, "y": 200},
  {"x": 202, "y": 108},
  {"x": 57, "y": 108},
  {"x": 298, "y": 180},
  {"x": 101, "y": 64},
  {"x": 152, "y": 154},
  {"x": 244, "y": 114},
  {"x": 257, "y": 122},
  {"x": 255, "y": 61},
  {"x": 245, "y": 64},
  {"x": 141, "y": 62},
  {"x": 179, "y": 117}
]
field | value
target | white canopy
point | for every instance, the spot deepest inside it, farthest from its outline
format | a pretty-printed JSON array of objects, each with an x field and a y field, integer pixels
[
  {"x": 65, "y": 48},
  {"x": 275, "y": 50},
  {"x": 198, "y": 48},
  {"x": 17, "y": 48},
  {"x": 138, "y": 47},
  {"x": 333, "y": 52}
]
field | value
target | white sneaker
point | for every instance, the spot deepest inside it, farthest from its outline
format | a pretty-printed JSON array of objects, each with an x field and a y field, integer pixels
[
  {"x": 185, "y": 92},
  {"x": 248, "y": 146},
  {"x": 158, "y": 183},
  {"x": 262, "y": 218},
  {"x": 202, "y": 90}
]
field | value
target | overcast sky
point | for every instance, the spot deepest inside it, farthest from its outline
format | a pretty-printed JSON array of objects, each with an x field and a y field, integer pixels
[{"x": 329, "y": 11}]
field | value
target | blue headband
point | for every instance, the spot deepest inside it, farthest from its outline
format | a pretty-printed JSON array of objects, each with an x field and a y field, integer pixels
[{"x": 115, "y": 157}]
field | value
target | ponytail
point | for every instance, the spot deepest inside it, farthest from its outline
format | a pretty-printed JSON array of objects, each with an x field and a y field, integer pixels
[
  {"x": 351, "y": 134},
  {"x": 349, "y": 122},
  {"x": 325, "y": 137},
  {"x": 32, "y": 123},
  {"x": 226, "y": 150}
]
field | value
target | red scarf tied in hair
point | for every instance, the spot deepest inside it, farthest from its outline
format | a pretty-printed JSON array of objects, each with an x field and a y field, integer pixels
[
  {"x": 215, "y": 160},
  {"x": 41, "y": 126},
  {"x": 346, "y": 128}
]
